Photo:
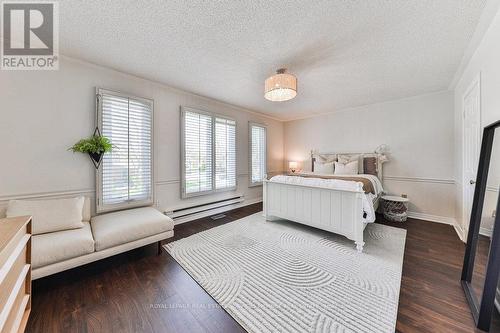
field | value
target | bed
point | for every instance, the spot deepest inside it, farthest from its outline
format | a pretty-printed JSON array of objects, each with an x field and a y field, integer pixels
[{"x": 342, "y": 204}]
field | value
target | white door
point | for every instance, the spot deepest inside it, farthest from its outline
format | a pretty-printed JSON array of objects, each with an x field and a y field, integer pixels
[{"x": 471, "y": 144}]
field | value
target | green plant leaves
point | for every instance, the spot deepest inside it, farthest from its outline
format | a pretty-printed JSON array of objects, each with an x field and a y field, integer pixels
[{"x": 96, "y": 144}]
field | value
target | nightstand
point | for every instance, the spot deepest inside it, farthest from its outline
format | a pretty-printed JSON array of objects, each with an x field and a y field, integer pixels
[{"x": 395, "y": 208}]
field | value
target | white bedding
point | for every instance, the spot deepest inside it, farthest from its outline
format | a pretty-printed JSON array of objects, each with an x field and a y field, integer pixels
[{"x": 367, "y": 198}]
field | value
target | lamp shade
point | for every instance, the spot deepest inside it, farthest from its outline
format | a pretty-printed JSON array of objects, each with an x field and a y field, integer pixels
[
  {"x": 292, "y": 165},
  {"x": 280, "y": 87}
]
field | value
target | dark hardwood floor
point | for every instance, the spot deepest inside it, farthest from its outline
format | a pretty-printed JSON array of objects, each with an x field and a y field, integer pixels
[{"x": 141, "y": 292}]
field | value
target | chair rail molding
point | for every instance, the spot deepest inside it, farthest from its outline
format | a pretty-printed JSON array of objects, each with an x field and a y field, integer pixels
[
  {"x": 50, "y": 194},
  {"x": 421, "y": 180},
  {"x": 493, "y": 188}
]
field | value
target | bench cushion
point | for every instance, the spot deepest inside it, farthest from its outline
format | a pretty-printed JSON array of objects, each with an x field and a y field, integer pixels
[
  {"x": 50, "y": 215},
  {"x": 118, "y": 228},
  {"x": 61, "y": 245}
]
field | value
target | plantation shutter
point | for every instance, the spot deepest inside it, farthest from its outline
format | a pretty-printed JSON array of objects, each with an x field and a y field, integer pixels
[
  {"x": 258, "y": 153},
  {"x": 208, "y": 153},
  {"x": 126, "y": 172},
  {"x": 197, "y": 152},
  {"x": 225, "y": 153}
]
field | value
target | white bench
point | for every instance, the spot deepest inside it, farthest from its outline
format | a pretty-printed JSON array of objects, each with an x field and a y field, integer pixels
[{"x": 100, "y": 237}]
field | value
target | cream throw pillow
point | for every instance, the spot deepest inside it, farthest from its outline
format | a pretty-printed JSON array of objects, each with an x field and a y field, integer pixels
[
  {"x": 49, "y": 215},
  {"x": 344, "y": 159},
  {"x": 350, "y": 168},
  {"x": 323, "y": 168}
]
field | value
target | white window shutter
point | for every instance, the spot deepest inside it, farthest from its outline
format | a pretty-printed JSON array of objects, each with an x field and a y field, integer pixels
[
  {"x": 197, "y": 153},
  {"x": 258, "y": 153},
  {"x": 208, "y": 153},
  {"x": 125, "y": 176},
  {"x": 225, "y": 153}
]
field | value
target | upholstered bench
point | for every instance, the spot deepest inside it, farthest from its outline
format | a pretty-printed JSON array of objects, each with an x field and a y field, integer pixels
[
  {"x": 65, "y": 236},
  {"x": 146, "y": 225}
]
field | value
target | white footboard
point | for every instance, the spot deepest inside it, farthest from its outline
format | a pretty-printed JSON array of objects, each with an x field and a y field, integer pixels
[{"x": 337, "y": 211}]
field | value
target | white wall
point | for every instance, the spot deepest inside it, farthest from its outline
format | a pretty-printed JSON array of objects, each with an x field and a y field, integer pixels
[
  {"x": 45, "y": 112},
  {"x": 486, "y": 62},
  {"x": 419, "y": 131}
]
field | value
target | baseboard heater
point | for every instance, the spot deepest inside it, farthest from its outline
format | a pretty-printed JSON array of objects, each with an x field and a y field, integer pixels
[{"x": 184, "y": 212}]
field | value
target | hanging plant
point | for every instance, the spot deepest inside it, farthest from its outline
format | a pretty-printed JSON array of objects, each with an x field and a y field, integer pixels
[{"x": 96, "y": 146}]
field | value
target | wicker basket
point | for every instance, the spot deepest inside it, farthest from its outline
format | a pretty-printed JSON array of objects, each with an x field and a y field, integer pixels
[{"x": 395, "y": 208}]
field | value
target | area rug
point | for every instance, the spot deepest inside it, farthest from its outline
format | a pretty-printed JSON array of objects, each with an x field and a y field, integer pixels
[{"x": 285, "y": 277}]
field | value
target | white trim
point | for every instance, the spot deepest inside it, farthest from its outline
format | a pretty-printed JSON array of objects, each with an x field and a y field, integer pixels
[
  {"x": 463, "y": 237},
  {"x": 86, "y": 192},
  {"x": 100, "y": 206},
  {"x": 440, "y": 219},
  {"x": 475, "y": 81},
  {"x": 493, "y": 188},
  {"x": 432, "y": 218},
  {"x": 213, "y": 116},
  {"x": 51, "y": 194},
  {"x": 420, "y": 180},
  {"x": 189, "y": 218},
  {"x": 460, "y": 232},
  {"x": 485, "y": 231},
  {"x": 250, "y": 143}
]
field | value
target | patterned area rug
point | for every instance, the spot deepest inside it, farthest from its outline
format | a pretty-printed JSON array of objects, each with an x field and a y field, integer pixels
[{"x": 284, "y": 277}]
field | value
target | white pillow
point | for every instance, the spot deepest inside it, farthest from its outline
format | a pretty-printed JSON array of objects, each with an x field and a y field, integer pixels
[
  {"x": 350, "y": 168},
  {"x": 344, "y": 159},
  {"x": 49, "y": 215},
  {"x": 324, "y": 168}
]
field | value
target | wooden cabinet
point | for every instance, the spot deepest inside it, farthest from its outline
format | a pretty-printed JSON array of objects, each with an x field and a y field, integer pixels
[{"x": 15, "y": 273}]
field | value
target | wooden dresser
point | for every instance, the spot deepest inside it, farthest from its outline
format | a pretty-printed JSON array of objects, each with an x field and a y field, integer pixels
[{"x": 15, "y": 273}]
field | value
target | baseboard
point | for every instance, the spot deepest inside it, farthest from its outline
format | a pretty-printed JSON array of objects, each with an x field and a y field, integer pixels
[
  {"x": 440, "y": 219},
  {"x": 463, "y": 235},
  {"x": 432, "y": 218},
  {"x": 460, "y": 232},
  {"x": 485, "y": 231},
  {"x": 215, "y": 211}
]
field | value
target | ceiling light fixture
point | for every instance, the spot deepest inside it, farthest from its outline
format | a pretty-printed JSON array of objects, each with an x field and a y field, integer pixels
[{"x": 281, "y": 87}]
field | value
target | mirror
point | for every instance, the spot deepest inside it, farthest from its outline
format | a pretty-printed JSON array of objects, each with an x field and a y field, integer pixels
[
  {"x": 487, "y": 221},
  {"x": 481, "y": 270}
]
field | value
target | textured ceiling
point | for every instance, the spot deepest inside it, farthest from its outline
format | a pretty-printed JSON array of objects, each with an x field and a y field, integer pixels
[{"x": 344, "y": 53}]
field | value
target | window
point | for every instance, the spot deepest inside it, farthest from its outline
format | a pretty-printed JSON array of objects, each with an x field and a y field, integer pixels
[
  {"x": 198, "y": 153},
  {"x": 208, "y": 153},
  {"x": 125, "y": 177},
  {"x": 257, "y": 138}
]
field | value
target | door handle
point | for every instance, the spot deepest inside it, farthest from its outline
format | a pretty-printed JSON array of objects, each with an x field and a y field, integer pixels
[{"x": 472, "y": 182}]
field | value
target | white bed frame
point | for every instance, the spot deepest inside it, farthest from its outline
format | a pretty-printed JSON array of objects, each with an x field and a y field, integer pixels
[{"x": 334, "y": 210}]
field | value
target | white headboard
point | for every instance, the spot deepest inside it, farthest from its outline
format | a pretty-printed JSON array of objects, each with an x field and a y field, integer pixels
[{"x": 380, "y": 159}]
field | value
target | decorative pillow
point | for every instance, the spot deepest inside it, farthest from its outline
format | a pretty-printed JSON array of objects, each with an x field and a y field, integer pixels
[
  {"x": 326, "y": 158},
  {"x": 324, "y": 168},
  {"x": 49, "y": 215},
  {"x": 370, "y": 165},
  {"x": 350, "y": 168},
  {"x": 344, "y": 159}
]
